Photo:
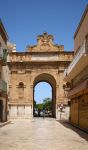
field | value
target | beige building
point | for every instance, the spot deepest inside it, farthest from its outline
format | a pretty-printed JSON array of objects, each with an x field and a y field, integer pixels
[
  {"x": 44, "y": 61},
  {"x": 3, "y": 73},
  {"x": 77, "y": 75}
]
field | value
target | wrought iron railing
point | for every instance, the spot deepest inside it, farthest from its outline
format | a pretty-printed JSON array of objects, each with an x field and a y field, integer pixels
[{"x": 82, "y": 50}]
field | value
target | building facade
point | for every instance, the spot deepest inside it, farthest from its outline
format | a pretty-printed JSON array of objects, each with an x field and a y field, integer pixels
[
  {"x": 77, "y": 75},
  {"x": 44, "y": 61},
  {"x": 3, "y": 73}
]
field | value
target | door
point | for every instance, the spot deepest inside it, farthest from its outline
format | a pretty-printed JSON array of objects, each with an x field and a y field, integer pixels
[{"x": 1, "y": 110}]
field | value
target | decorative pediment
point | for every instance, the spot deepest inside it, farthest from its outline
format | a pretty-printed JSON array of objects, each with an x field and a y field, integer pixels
[
  {"x": 45, "y": 43},
  {"x": 45, "y": 39}
]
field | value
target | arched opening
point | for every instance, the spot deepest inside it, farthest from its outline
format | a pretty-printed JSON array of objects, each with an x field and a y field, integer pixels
[
  {"x": 50, "y": 81},
  {"x": 43, "y": 99}
]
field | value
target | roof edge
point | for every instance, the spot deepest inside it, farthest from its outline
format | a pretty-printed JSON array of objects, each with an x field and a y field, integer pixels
[
  {"x": 82, "y": 18},
  {"x": 3, "y": 28}
]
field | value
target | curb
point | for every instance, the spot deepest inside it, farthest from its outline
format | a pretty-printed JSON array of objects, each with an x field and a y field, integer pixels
[{"x": 4, "y": 123}]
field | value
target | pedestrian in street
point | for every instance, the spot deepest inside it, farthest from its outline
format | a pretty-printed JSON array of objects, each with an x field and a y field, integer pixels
[{"x": 43, "y": 113}]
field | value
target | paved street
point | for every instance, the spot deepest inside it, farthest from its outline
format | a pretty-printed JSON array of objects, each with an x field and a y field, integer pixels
[{"x": 42, "y": 134}]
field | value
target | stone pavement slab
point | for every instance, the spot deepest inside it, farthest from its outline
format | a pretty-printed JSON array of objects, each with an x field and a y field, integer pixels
[
  {"x": 42, "y": 134},
  {"x": 4, "y": 123}
]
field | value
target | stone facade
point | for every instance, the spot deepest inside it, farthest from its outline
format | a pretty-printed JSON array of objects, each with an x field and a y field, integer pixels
[
  {"x": 81, "y": 31},
  {"x": 3, "y": 73},
  {"x": 77, "y": 76},
  {"x": 42, "y": 62}
]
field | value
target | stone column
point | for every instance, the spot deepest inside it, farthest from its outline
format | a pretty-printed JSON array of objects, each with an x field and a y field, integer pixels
[
  {"x": 31, "y": 98},
  {"x": 57, "y": 97}
]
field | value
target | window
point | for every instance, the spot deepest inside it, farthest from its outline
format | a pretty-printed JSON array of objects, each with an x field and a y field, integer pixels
[
  {"x": 86, "y": 42},
  {"x": 21, "y": 90}
]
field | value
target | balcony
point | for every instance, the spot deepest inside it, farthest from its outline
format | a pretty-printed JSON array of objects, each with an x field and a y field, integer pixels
[
  {"x": 3, "y": 56},
  {"x": 80, "y": 61},
  {"x": 3, "y": 86}
]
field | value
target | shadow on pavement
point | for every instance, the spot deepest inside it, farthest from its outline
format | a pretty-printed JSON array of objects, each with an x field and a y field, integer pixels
[{"x": 80, "y": 132}]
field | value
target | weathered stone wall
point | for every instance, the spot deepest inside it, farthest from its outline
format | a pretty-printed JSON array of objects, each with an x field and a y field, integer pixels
[
  {"x": 42, "y": 62},
  {"x": 3, "y": 75},
  {"x": 28, "y": 78}
]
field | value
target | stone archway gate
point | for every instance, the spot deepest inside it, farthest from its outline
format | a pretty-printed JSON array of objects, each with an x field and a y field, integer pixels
[
  {"x": 47, "y": 77},
  {"x": 45, "y": 58}
]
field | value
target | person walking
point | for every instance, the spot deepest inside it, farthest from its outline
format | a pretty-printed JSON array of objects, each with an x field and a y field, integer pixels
[{"x": 43, "y": 113}]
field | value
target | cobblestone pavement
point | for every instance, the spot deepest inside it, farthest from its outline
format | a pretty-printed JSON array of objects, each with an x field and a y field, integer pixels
[{"x": 42, "y": 134}]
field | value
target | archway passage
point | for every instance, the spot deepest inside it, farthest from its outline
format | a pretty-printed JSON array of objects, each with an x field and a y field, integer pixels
[
  {"x": 46, "y": 78},
  {"x": 43, "y": 100}
]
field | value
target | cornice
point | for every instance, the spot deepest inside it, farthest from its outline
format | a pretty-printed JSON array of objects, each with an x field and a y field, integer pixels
[{"x": 81, "y": 21}]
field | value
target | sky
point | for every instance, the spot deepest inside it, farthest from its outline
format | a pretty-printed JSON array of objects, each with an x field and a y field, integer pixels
[
  {"x": 25, "y": 19},
  {"x": 41, "y": 91}
]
